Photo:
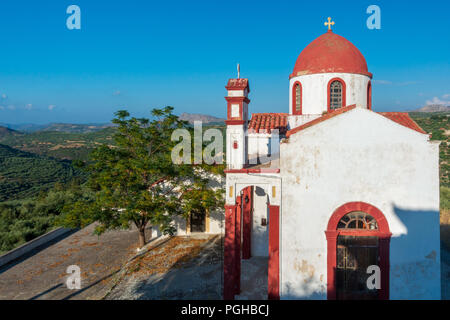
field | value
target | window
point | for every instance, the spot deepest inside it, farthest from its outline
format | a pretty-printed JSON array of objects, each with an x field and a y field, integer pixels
[
  {"x": 358, "y": 220},
  {"x": 297, "y": 98},
  {"x": 369, "y": 96},
  {"x": 336, "y": 92}
]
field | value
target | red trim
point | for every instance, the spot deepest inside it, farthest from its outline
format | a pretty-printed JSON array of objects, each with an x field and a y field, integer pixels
[
  {"x": 344, "y": 93},
  {"x": 238, "y": 84},
  {"x": 229, "y": 253},
  {"x": 235, "y": 122},
  {"x": 369, "y": 95},
  {"x": 294, "y": 100},
  {"x": 247, "y": 222},
  {"x": 404, "y": 119},
  {"x": 382, "y": 233},
  {"x": 260, "y": 170},
  {"x": 321, "y": 119},
  {"x": 237, "y": 247},
  {"x": 274, "y": 254}
]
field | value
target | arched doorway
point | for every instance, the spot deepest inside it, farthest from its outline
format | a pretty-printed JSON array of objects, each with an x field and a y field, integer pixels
[
  {"x": 238, "y": 243},
  {"x": 357, "y": 236}
]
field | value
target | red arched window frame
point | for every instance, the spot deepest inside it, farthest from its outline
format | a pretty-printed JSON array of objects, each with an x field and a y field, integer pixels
[
  {"x": 384, "y": 236},
  {"x": 294, "y": 98},
  {"x": 344, "y": 93},
  {"x": 369, "y": 95}
]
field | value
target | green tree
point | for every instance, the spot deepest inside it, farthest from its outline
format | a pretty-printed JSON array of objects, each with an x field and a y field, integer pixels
[{"x": 136, "y": 181}]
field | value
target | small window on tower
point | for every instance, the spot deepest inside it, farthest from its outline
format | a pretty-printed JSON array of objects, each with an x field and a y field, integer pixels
[
  {"x": 298, "y": 98},
  {"x": 335, "y": 95}
]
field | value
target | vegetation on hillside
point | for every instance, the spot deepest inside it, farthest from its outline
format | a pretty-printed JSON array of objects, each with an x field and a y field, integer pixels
[
  {"x": 24, "y": 175},
  {"x": 61, "y": 145},
  {"x": 438, "y": 125}
]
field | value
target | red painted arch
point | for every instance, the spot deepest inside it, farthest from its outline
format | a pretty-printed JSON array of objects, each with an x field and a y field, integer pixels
[
  {"x": 369, "y": 95},
  {"x": 383, "y": 233},
  {"x": 294, "y": 96},
  {"x": 344, "y": 93}
]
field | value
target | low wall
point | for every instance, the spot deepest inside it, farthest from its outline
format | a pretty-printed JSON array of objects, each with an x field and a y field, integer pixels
[{"x": 31, "y": 245}]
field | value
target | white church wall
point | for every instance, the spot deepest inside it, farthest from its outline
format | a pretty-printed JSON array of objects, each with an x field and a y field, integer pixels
[
  {"x": 295, "y": 121},
  {"x": 360, "y": 156},
  {"x": 315, "y": 90},
  {"x": 216, "y": 217},
  {"x": 258, "y": 145},
  {"x": 260, "y": 233},
  {"x": 236, "y": 158}
]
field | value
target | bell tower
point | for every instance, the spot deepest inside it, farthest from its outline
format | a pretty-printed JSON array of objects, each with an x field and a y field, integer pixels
[{"x": 237, "y": 121}]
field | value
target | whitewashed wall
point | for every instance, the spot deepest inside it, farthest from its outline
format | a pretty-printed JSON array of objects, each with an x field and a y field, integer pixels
[
  {"x": 216, "y": 217},
  {"x": 236, "y": 158},
  {"x": 260, "y": 233},
  {"x": 315, "y": 90},
  {"x": 360, "y": 156}
]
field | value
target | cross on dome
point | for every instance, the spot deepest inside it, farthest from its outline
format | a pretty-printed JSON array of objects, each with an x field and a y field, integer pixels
[{"x": 329, "y": 23}]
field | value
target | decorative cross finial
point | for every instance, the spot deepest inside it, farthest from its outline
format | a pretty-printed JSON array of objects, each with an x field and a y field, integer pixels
[
  {"x": 329, "y": 23},
  {"x": 239, "y": 71}
]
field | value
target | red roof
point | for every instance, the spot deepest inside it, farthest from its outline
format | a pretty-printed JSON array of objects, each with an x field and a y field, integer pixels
[
  {"x": 266, "y": 122},
  {"x": 330, "y": 53},
  {"x": 237, "y": 84},
  {"x": 402, "y": 118}
]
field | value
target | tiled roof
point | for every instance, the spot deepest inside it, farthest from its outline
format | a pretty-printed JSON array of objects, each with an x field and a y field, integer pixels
[
  {"x": 327, "y": 116},
  {"x": 237, "y": 84},
  {"x": 266, "y": 122},
  {"x": 404, "y": 119}
]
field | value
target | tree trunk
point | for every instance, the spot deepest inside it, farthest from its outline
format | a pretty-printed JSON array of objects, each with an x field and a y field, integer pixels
[{"x": 141, "y": 237}]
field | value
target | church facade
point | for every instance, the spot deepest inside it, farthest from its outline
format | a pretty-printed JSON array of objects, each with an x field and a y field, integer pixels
[{"x": 342, "y": 201}]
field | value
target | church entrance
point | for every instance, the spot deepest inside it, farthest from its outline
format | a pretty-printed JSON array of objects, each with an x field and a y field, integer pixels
[
  {"x": 198, "y": 221},
  {"x": 247, "y": 273},
  {"x": 354, "y": 256},
  {"x": 358, "y": 237}
]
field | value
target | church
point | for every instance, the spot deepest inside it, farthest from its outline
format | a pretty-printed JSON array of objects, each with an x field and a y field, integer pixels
[{"x": 340, "y": 201}]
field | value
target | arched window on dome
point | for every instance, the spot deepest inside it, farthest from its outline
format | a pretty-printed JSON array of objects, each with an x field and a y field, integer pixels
[
  {"x": 369, "y": 96},
  {"x": 297, "y": 98},
  {"x": 336, "y": 94}
]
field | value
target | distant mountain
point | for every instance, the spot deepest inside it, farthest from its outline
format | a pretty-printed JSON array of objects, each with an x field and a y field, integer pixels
[
  {"x": 5, "y": 132},
  {"x": 191, "y": 117},
  {"x": 60, "y": 127},
  {"x": 434, "y": 108}
]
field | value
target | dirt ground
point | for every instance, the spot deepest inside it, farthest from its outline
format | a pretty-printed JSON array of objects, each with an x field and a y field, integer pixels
[
  {"x": 177, "y": 268},
  {"x": 42, "y": 274}
]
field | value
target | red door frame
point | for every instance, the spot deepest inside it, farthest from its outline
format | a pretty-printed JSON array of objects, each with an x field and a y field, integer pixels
[
  {"x": 274, "y": 254},
  {"x": 247, "y": 218},
  {"x": 383, "y": 234},
  {"x": 229, "y": 260},
  {"x": 232, "y": 247}
]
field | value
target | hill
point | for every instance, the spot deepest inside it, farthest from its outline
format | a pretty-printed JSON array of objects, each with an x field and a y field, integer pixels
[
  {"x": 57, "y": 144},
  {"x": 23, "y": 174},
  {"x": 6, "y": 132},
  {"x": 434, "y": 108},
  {"x": 191, "y": 117},
  {"x": 60, "y": 127}
]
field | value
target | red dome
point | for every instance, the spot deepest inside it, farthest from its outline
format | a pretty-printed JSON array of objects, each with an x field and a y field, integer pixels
[{"x": 330, "y": 53}]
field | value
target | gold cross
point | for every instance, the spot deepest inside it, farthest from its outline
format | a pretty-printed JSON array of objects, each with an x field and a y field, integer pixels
[{"x": 329, "y": 23}]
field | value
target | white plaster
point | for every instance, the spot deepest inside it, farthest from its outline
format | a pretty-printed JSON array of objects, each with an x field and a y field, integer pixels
[
  {"x": 360, "y": 156},
  {"x": 315, "y": 90}
]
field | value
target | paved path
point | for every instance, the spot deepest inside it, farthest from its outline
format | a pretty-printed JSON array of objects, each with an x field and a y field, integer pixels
[{"x": 43, "y": 274}]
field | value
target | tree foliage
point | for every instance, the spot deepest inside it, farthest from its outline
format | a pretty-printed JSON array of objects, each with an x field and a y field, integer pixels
[{"x": 136, "y": 182}]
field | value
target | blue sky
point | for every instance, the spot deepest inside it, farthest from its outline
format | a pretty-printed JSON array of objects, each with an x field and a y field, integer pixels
[{"x": 137, "y": 55}]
